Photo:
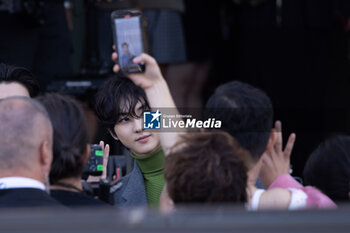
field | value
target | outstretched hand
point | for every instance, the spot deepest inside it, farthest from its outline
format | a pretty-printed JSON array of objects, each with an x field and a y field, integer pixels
[
  {"x": 149, "y": 78},
  {"x": 276, "y": 161}
]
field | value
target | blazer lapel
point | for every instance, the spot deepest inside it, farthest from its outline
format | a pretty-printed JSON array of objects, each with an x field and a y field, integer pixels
[{"x": 135, "y": 192}]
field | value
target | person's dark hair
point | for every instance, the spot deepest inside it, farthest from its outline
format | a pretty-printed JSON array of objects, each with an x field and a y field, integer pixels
[
  {"x": 125, "y": 44},
  {"x": 207, "y": 168},
  {"x": 71, "y": 135},
  {"x": 328, "y": 168},
  {"x": 118, "y": 98},
  {"x": 246, "y": 113},
  {"x": 21, "y": 75}
]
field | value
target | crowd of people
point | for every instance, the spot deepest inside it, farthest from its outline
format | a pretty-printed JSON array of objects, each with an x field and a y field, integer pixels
[
  {"x": 44, "y": 146},
  {"x": 45, "y": 137}
]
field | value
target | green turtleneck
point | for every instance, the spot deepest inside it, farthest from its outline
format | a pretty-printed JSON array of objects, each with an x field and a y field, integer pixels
[{"x": 152, "y": 170}]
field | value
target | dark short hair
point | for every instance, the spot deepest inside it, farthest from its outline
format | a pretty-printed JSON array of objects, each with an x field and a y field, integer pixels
[
  {"x": 71, "y": 135},
  {"x": 125, "y": 44},
  {"x": 328, "y": 168},
  {"x": 21, "y": 75},
  {"x": 207, "y": 168},
  {"x": 117, "y": 98},
  {"x": 246, "y": 113}
]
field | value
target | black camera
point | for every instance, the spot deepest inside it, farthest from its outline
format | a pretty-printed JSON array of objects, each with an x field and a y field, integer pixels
[{"x": 94, "y": 166}]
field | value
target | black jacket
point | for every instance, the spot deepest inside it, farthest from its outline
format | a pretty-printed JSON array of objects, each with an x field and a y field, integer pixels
[{"x": 26, "y": 197}]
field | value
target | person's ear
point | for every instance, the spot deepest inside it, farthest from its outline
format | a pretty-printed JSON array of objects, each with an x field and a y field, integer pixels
[
  {"x": 86, "y": 155},
  {"x": 113, "y": 135},
  {"x": 271, "y": 141},
  {"x": 45, "y": 156}
]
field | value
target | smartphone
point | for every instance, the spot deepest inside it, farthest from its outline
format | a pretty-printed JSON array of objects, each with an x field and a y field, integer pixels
[
  {"x": 129, "y": 39},
  {"x": 94, "y": 166}
]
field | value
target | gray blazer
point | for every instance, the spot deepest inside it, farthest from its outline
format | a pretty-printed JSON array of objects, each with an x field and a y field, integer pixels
[{"x": 130, "y": 190}]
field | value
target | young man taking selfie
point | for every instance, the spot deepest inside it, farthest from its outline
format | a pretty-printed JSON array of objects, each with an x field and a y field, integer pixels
[{"x": 119, "y": 105}]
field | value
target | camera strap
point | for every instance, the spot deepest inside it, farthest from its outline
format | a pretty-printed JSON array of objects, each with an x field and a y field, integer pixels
[{"x": 70, "y": 186}]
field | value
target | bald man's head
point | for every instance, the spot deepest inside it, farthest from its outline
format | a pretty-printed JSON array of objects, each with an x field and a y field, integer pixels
[{"x": 25, "y": 134}]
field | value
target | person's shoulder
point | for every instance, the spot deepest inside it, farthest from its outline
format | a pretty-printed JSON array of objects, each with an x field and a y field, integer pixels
[
  {"x": 276, "y": 198},
  {"x": 27, "y": 197},
  {"x": 73, "y": 199}
]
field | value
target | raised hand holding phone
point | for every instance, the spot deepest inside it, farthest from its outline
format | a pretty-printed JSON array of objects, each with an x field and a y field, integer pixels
[
  {"x": 129, "y": 39},
  {"x": 105, "y": 149},
  {"x": 150, "y": 78}
]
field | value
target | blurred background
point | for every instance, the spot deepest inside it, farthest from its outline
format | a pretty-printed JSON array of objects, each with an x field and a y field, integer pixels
[{"x": 296, "y": 50}]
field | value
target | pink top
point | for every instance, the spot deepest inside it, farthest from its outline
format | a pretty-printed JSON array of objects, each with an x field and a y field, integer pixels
[{"x": 315, "y": 198}]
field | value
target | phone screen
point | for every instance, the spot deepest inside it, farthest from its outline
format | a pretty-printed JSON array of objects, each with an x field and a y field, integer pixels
[{"x": 129, "y": 39}]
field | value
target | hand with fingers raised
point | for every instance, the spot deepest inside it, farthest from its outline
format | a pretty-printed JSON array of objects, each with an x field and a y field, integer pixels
[
  {"x": 105, "y": 150},
  {"x": 275, "y": 160}
]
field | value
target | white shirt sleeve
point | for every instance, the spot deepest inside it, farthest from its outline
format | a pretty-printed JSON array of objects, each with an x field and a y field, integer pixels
[{"x": 297, "y": 199}]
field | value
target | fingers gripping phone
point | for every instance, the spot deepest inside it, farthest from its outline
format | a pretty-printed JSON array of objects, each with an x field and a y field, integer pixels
[
  {"x": 94, "y": 166},
  {"x": 129, "y": 39}
]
